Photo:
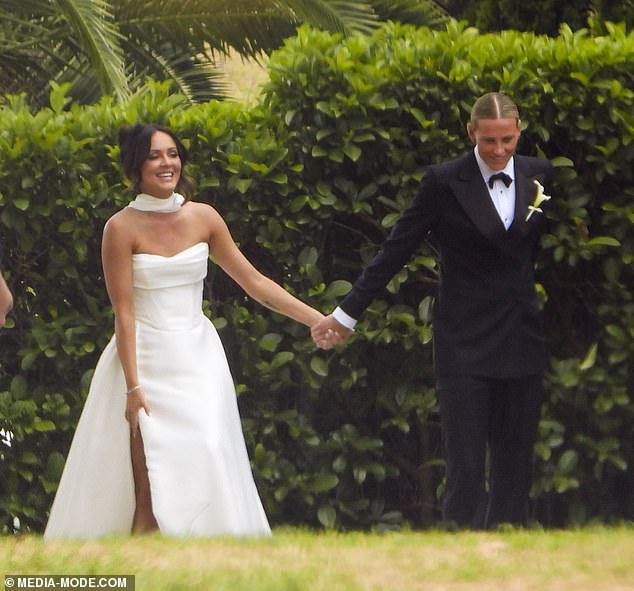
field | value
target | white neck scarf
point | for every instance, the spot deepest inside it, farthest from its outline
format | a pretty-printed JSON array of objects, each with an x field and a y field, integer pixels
[{"x": 145, "y": 202}]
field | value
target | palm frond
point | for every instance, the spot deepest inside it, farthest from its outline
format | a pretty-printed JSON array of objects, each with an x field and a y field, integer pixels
[
  {"x": 249, "y": 27},
  {"x": 93, "y": 23},
  {"x": 194, "y": 77},
  {"x": 430, "y": 13},
  {"x": 334, "y": 15}
]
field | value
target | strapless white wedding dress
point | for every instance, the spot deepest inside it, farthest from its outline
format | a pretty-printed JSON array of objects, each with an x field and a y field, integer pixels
[{"x": 199, "y": 470}]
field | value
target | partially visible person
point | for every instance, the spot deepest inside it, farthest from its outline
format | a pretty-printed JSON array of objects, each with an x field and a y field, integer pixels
[
  {"x": 179, "y": 464},
  {"x": 483, "y": 211},
  {"x": 6, "y": 301}
]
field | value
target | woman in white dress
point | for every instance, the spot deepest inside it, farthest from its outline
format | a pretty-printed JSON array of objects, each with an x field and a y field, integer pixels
[{"x": 159, "y": 444}]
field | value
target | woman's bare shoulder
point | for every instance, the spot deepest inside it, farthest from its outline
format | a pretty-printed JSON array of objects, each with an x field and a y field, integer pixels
[
  {"x": 199, "y": 206},
  {"x": 204, "y": 211},
  {"x": 122, "y": 214},
  {"x": 121, "y": 221}
]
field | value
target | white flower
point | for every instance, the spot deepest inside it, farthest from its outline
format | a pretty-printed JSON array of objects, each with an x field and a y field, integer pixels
[{"x": 540, "y": 197}]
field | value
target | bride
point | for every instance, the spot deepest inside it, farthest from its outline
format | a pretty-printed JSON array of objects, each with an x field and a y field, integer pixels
[{"x": 159, "y": 444}]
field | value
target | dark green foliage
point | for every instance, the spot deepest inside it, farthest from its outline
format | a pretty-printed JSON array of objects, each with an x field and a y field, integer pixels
[
  {"x": 310, "y": 181},
  {"x": 545, "y": 16}
]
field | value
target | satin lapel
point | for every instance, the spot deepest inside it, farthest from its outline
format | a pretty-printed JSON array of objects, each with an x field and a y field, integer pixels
[
  {"x": 473, "y": 195},
  {"x": 525, "y": 192}
]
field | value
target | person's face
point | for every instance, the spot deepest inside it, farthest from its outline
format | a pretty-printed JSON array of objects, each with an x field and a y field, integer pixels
[
  {"x": 161, "y": 170},
  {"x": 496, "y": 140}
]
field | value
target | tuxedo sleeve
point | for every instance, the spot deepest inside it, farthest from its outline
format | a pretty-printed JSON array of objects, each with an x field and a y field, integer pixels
[{"x": 398, "y": 247}]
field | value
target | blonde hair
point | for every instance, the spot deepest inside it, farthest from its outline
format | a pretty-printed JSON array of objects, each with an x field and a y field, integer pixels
[{"x": 494, "y": 105}]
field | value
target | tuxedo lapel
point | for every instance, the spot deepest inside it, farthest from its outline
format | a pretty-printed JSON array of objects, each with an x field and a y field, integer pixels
[
  {"x": 472, "y": 194},
  {"x": 525, "y": 192}
]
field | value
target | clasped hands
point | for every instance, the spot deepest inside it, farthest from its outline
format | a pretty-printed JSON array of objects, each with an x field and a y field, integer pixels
[{"x": 328, "y": 333}]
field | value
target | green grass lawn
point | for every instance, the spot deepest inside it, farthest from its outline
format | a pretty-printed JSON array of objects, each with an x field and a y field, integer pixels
[{"x": 597, "y": 559}]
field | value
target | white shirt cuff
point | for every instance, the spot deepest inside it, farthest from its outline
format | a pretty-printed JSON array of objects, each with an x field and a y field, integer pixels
[{"x": 342, "y": 318}]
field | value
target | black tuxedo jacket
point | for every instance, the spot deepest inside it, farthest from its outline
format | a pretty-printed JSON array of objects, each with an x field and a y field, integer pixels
[{"x": 486, "y": 318}]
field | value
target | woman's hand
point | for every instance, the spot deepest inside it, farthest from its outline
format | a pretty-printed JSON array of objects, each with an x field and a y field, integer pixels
[
  {"x": 136, "y": 402},
  {"x": 329, "y": 333}
]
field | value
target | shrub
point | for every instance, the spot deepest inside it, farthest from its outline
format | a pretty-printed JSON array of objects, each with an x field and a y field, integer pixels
[{"x": 310, "y": 180}]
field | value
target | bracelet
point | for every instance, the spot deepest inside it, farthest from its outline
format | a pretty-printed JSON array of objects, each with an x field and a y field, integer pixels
[{"x": 133, "y": 389}]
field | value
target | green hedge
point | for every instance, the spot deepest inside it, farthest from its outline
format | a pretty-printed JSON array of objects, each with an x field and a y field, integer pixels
[{"x": 310, "y": 181}]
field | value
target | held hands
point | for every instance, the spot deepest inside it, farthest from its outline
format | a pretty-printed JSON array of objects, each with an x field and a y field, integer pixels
[
  {"x": 328, "y": 333},
  {"x": 136, "y": 402}
]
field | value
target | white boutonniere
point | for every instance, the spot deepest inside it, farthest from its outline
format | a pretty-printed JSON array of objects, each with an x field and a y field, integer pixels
[{"x": 540, "y": 197}]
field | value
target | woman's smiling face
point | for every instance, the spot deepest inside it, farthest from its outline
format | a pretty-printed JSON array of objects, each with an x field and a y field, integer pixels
[{"x": 161, "y": 170}]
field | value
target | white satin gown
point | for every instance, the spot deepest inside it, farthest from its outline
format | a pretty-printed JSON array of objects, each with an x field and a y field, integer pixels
[{"x": 197, "y": 461}]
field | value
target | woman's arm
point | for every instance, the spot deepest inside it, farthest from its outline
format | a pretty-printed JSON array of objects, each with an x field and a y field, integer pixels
[
  {"x": 116, "y": 255},
  {"x": 6, "y": 300},
  {"x": 259, "y": 287}
]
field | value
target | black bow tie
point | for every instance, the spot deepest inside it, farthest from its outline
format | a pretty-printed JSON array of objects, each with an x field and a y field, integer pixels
[{"x": 502, "y": 176}]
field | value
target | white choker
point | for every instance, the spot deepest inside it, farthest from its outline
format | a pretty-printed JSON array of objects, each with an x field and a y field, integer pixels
[{"x": 145, "y": 202}]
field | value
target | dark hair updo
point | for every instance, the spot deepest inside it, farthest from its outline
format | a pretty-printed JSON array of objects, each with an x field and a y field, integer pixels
[{"x": 135, "y": 142}]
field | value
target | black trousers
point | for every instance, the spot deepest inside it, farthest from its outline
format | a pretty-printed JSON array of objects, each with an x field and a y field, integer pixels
[{"x": 495, "y": 419}]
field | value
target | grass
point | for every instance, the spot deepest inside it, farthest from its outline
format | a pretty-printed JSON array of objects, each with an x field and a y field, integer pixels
[{"x": 597, "y": 559}]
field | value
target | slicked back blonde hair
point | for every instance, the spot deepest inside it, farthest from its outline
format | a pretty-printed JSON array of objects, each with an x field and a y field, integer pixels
[{"x": 494, "y": 105}]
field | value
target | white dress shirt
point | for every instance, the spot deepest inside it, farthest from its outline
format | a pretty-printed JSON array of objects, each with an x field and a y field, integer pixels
[{"x": 503, "y": 197}]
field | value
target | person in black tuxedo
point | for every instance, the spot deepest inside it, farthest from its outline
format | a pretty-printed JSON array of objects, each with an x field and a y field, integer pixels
[{"x": 483, "y": 210}]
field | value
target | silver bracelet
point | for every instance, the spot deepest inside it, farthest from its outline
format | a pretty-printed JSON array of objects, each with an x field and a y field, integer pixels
[{"x": 133, "y": 389}]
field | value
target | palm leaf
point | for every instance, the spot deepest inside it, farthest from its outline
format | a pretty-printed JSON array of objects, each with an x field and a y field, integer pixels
[
  {"x": 198, "y": 80},
  {"x": 248, "y": 26},
  {"x": 93, "y": 23},
  {"x": 63, "y": 41},
  {"x": 416, "y": 12},
  {"x": 334, "y": 15}
]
